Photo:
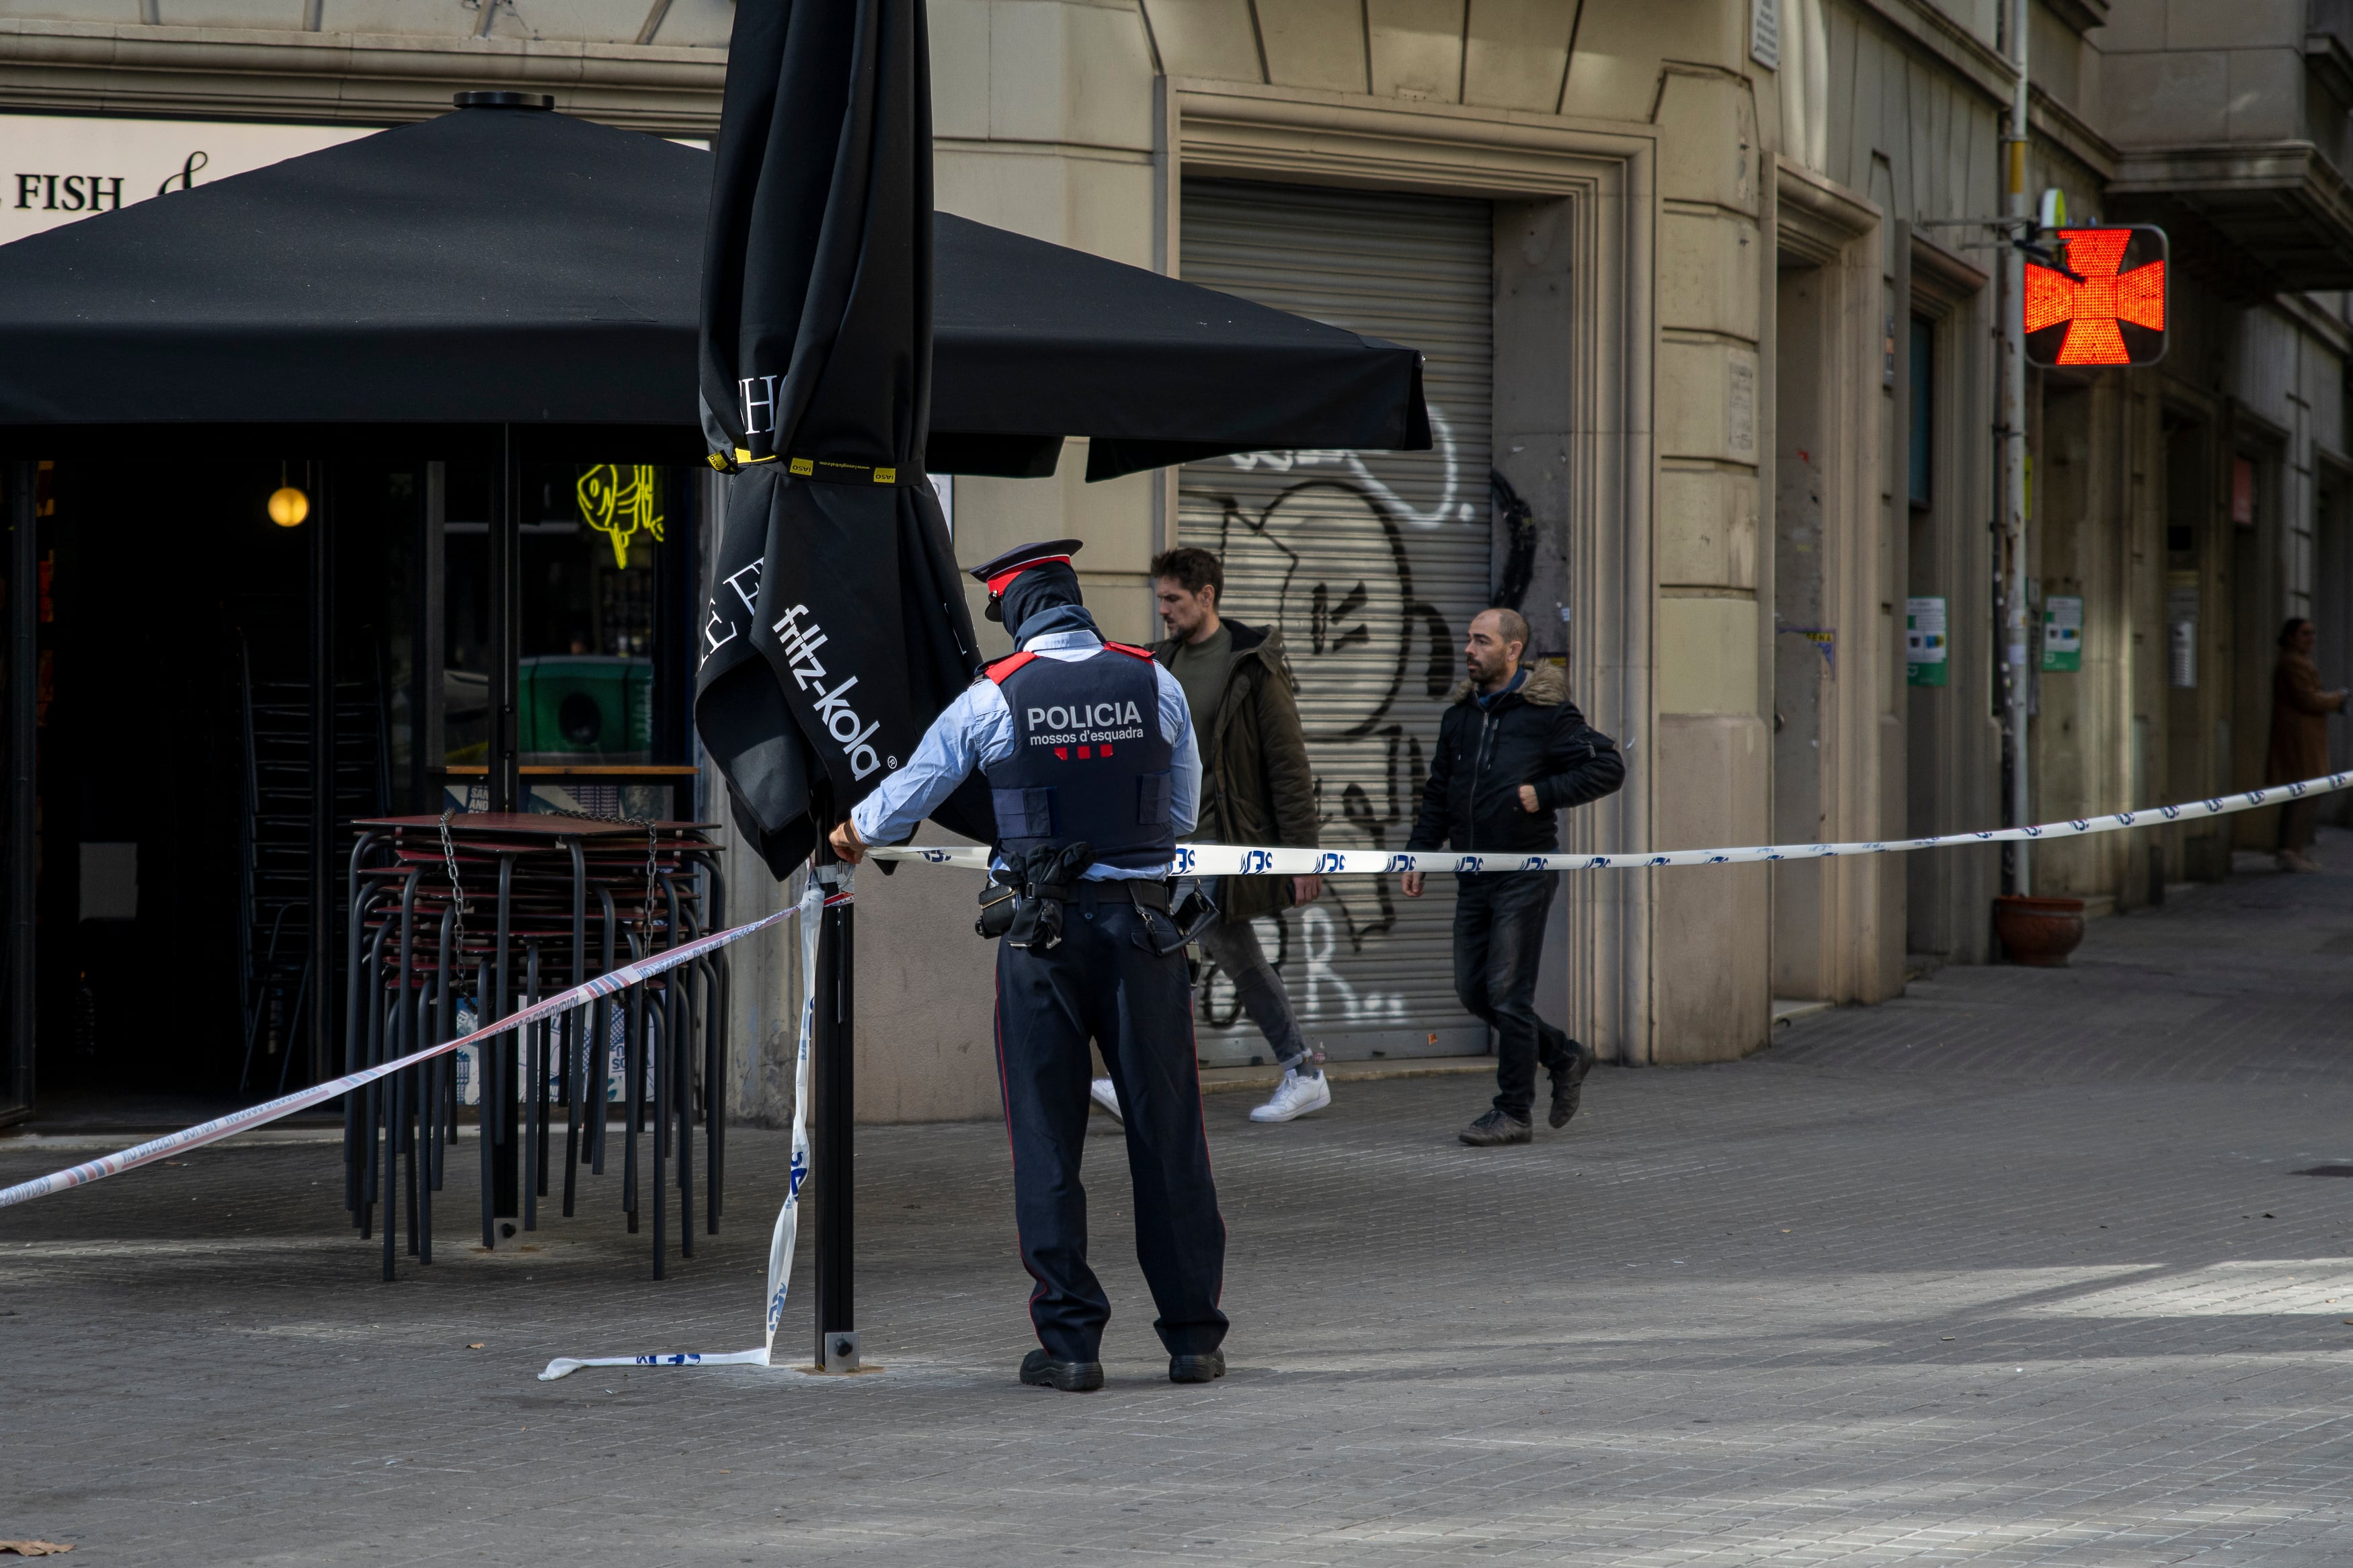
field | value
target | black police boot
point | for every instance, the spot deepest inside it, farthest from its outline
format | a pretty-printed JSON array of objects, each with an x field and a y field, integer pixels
[
  {"x": 1568, "y": 1082},
  {"x": 1207, "y": 1367},
  {"x": 1041, "y": 1371},
  {"x": 1496, "y": 1126}
]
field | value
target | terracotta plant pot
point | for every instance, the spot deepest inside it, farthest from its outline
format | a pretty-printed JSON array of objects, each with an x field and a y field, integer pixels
[{"x": 2038, "y": 932}]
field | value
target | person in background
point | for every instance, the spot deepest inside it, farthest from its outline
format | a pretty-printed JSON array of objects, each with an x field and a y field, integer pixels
[
  {"x": 1513, "y": 750},
  {"x": 1257, "y": 789},
  {"x": 2299, "y": 749}
]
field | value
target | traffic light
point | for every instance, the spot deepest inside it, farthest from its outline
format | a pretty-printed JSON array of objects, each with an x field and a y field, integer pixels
[{"x": 2104, "y": 303}]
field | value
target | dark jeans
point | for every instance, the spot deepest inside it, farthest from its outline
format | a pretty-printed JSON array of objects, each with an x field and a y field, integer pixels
[
  {"x": 1103, "y": 981},
  {"x": 1499, "y": 926},
  {"x": 2298, "y": 819},
  {"x": 1233, "y": 946}
]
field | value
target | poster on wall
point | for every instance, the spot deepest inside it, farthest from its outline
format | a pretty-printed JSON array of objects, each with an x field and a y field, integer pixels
[
  {"x": 59, "y": 168},
  {"x": 1924, "y": 651},
  {"x": 2063, "y": 633},
  {"x": 2181, "y": 633}
]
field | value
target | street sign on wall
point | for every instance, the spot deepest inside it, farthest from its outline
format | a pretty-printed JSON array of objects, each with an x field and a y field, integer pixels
[{"x": 2104, "y": 303}]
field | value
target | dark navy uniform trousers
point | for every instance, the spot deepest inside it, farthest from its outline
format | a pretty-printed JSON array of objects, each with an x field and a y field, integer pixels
[{"x": 1103, "y": 982}]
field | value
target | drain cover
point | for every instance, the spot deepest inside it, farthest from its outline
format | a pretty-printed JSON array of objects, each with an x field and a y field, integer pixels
[{"x": 2327, "y": 1171}]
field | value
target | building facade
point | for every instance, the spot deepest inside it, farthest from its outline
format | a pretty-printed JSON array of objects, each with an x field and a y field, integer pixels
[{"x": 1712, "y": 354}]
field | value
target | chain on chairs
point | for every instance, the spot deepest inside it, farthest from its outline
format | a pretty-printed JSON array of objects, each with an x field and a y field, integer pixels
[{"x": 419, "y": 971}]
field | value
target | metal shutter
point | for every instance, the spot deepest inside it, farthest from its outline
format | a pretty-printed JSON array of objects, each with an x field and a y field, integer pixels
[{"x": 1373, "y": 565}]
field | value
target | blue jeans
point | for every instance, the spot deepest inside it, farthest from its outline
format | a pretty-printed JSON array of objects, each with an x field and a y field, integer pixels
[
  {"x": 1499, "y": 926},
  {"x": 1233, "y": 946}
]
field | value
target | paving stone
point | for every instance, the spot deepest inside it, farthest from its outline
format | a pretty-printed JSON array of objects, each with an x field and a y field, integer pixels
[{"x": 2014, "y": 1270}]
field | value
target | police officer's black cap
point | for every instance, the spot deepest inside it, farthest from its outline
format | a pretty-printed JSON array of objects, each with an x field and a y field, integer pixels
[{"x": 1002, "y": 569}]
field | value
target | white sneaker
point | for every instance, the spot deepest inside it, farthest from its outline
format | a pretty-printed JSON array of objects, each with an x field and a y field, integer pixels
[
  {"x": 1107, "y": 1096},
  {"x": 1295, "y": 1097}
]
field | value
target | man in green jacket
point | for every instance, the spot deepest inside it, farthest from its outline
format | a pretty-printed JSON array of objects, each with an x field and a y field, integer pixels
[{"x": 1256, "y": 788}]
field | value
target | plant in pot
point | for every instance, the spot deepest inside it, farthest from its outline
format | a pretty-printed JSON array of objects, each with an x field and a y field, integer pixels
[{"x": 2038, "y": 932}]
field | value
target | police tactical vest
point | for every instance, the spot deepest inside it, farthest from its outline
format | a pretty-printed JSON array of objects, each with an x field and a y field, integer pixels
[{"x": 1089, "y": 760}]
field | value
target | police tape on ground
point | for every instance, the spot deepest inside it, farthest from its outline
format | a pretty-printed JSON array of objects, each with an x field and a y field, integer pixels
[{"x": 788, "y": 1227}]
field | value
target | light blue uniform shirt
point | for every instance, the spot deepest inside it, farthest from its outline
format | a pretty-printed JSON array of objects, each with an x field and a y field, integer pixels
[{"x": 977, "y": 730}]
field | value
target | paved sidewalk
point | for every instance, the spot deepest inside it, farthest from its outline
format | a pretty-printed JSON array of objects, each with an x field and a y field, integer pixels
[{"x": 2016, "y": 1270}]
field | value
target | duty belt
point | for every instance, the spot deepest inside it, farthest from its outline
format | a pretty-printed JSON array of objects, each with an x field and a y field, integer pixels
[
  {"x": 1030, "y": 915},
  {"x": 1145, "y": 893}
]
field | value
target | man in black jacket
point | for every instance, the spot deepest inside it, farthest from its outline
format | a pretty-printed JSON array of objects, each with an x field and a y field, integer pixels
[{"x": 1512, "y": 751}]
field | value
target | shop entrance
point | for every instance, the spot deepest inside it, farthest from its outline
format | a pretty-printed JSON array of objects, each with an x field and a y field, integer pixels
[
  {"x": 2257, "y": 605},
  {"x": 2332, "y": 619},
  {"x": 239, "y": 657},
  {"x": 2197, "y": 727},
  {"x": 1804, "y": 646}
]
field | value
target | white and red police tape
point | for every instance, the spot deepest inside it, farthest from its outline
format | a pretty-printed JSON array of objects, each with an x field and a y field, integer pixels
[{"x": 1230, "y": 860}]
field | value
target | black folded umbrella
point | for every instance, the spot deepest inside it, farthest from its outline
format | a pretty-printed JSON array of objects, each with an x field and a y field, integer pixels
[{"x": 834, "y": 587}]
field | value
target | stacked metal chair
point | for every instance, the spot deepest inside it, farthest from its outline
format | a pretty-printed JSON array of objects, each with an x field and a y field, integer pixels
[{"x": 474, "y": 916}]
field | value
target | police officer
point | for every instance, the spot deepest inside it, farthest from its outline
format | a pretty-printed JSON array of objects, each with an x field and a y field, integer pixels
[{"x": 1083, "y": 742}]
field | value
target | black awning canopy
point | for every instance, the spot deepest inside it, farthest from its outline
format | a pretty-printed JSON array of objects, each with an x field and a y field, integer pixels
[{"x": 506, "y": 266}]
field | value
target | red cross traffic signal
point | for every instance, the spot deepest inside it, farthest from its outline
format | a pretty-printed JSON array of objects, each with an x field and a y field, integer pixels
[{"x": 2112, "y": 311}]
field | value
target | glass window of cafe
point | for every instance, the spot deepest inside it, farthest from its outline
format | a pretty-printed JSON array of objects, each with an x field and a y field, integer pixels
[
  {"x": 603, "y": 682},
  {"x": 176, "y": 766}
]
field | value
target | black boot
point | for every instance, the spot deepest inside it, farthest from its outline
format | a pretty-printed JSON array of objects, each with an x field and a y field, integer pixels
[
  {"x": 1568, "y": 1082},
  {"x": 1041, "y": 1371},
  {"x": 1207, "y": 1367}
]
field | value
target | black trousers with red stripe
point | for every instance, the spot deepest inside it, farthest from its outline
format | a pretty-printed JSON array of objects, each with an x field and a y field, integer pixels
[{"x": 1103, "y": 981}]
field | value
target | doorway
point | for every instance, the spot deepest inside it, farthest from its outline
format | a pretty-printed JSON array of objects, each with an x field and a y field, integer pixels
[
  {"x": 1371, "y": 566},
  {"x": 2251, "y": 521},
  {"x": 1805, "y": 647},
  {"x": 177, "y": 617},
  {"x": 191, "y": 761},
  {"x": 2196, "y": 729},
  {"x": 2332, "y": 619}
]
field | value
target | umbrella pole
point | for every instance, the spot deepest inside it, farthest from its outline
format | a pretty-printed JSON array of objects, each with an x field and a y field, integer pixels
[
  {"x": 24, "y": 663},
  {"x": 501, "y": 1121},
  {"x": 503, "y": 777},
  {"x": 321, "y": 630},
  {"x": 833, "y": 1159}
]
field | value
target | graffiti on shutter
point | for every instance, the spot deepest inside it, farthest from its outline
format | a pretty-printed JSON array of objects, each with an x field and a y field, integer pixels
[{"x": 1371, "y": 564}]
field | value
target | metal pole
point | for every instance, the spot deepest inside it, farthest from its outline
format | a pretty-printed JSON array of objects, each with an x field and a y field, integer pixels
[
  {"x": 501, "y": 1122},
  {"x": 323, "y": 772},
  {"x": 428, "y": 754},
  {"x": 23, "y": 693},
  {"x": 2013, "y": 433},
  {"x": 503, "y": 774},
  {"x": 833, "y": 1162}
]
